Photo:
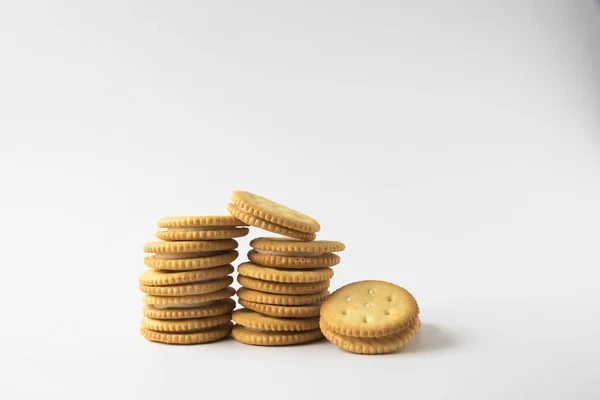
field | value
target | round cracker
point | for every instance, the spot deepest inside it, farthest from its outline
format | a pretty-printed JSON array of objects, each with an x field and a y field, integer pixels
[
  {"x": 216, "y": 234},
  {"x": 271, "y": 211},
  {"x": 188, "y": 289},
  {"x": 284, "y": 275},
  {"x": 205, "y": 336},
  {"x": 174, "y": 301},
  {"x": 266, "y": 225},
  {"x": 268, "y": 260},
  {"x": 281, "y": 299},
  {"x": 282, "y": 288},
  {"x": 369, "y": 309},
  {"x": 189, "y": 264},
  {"x": 263, "y": 338},
  {"x": 306, "y": 311},
  {"x": 379, "y": 345},
  {"x": 192, "y": 221},
  {"x": 184, "y": 325},
  {"x": 254, "y": 320},
  {"x": 218, "y": 307},
  {"x": 153, "y": 277},
  {"x": 291, "y": 245},
  {"x": 196, "y": 246}
]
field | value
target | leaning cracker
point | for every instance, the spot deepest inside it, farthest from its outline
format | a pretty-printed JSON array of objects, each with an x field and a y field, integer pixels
[
  {"x": 254, "y": 320},
  {"x": 379, "y": 345},
  {"x": 323, "y": 261},
  {"x": 188, "y": 289},
  {"x": 285, "y": 245},
  {"x": 206, "y": 336},
  {"x": 263, "y": 338},
  {"x": 369, "y": 309},
  {"x": 193, "y": 221},
  {"x": 218, "y": 307},
  {"x": 281, "y": 299},
  {"x": 213, "y": 234},
  {"x": 284, "y": 275},
  {"x": 197, "y": 246},
  {"x": 266, "y": 225},
  {"x": 184, "y": 325},
  {"x": 187, "y": 301},
  {"x": 274, "y": 212},
  {"x": 311, "y": 310},
  {"x": 153, "y": 277},
  {"x": 189, "y": 264},
  {"x": 282, "y": 288}
]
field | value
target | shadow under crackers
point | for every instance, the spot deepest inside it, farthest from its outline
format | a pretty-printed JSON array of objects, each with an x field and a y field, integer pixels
[{"x": 431, "y": 338}]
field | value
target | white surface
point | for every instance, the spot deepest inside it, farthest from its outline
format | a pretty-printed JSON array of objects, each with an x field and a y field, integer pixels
[{"x": 455, "y": 149}]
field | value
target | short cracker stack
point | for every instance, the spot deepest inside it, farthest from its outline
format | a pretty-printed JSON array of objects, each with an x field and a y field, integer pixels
[
  {"x": 287, "y": 279},
  {"x": 370, "y": 317},
  {"x": 188, "y": 297}
]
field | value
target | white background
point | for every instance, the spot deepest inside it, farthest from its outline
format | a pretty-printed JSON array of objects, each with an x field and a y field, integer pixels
[{"x": 453, "y": 146}]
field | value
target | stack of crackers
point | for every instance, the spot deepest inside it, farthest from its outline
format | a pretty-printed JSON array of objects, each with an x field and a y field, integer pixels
[
  {"x": 286, "y": 280},
  {"x": 188, "y": 297},
  {"x": 370, "y": 317}
]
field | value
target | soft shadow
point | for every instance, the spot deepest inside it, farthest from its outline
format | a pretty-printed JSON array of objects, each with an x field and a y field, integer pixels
[{"x": 431, "y": 338}]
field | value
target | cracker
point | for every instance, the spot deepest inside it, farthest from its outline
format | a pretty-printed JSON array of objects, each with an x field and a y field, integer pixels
[
  {"x": 197, "y": 246},
  {"x": 254, "y": 320},
  {"x": 369, "y": 309},
  {"x": 284, "y": 275},
  {"x": 187, "y": 301},
  {"x": 153, "y": 277},
  {"x": 281, "y": 299},
  {"x": 310, "y": 310},
  {"x": 266, "y": 225},
  {"x": 189, "y": 264},
  {"x": 189, "y": 288},
  {"x": 274, "y": 212},
  {"x": 218, "y": 307},
  {"x": 206, "y": 336},
  {"x": 282, "y": 288},
  {"x": 285, "y": 245},
  {"x": 323, "y": 261},
  {"x": 192, "y": 234},
  {"x": 263, "y": 338},
  {"x": 378, "y": 345},
  {"x": 192, "y": 221},
  {"x": 184, "y": 325}
]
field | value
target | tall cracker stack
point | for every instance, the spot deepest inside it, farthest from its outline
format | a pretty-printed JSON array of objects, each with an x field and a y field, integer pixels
[
  {"x": 286, "y": 280},
  {"x": 187, "y": 292}
]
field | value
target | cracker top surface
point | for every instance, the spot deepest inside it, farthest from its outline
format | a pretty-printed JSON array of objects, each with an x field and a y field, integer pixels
[
  {"x": 369, "y": 309},
  {"x": 274, "y": 212},
  {"x": 293, "y": 245},
  {"x": 191, "y": 221},
  {"x": 190, "y": 246}
]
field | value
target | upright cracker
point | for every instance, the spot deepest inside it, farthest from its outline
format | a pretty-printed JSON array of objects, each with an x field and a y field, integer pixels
[
  {"x": 189, "y": 264},
  {"x": 284, "y": 275},
  {"x": 285, "y": 245},
  {"x": 369, "y": 309},
  {"x": 254, "y": 320},
  {"x": 185, "y": 325},
  {"x": 205, "y": 336},
  {"x": 189, "y": 288},
  {"x": 266, "y": 225},
  {"x": 274, "y": 212},
  {"x": 310, "y": 310},
  {"x": 153, "y": 277},
  {"x": 263, "y": 338},
  {"x": 282, "y": 288},
  {"x": 281, "y": 299},
  {"x": 377, "y": 345},
  {"x": 218, "y": 307},
  {"x": 323, "y": 261}
]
